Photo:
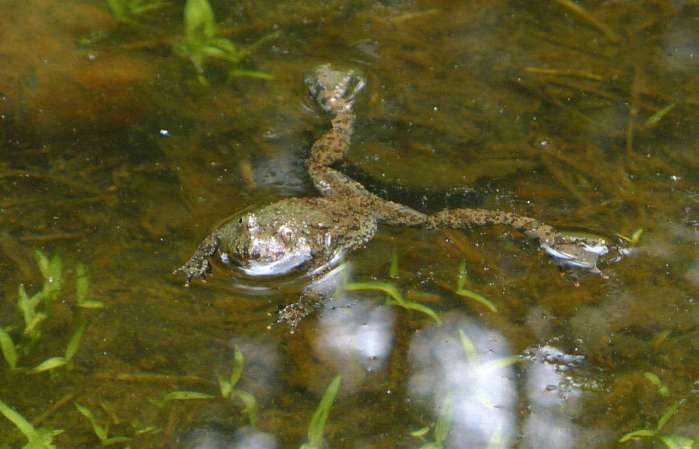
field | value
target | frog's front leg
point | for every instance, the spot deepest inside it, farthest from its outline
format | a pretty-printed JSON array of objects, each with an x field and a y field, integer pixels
[{"x": 198, "y": 266}]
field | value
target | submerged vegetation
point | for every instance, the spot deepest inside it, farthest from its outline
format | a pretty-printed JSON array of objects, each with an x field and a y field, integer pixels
[
  {"x": 582, "y": 114},
  {"x": 36, "y": 310}
]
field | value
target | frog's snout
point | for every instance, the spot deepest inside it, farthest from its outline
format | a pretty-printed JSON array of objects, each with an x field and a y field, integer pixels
[{"x": 334, "y": 89}]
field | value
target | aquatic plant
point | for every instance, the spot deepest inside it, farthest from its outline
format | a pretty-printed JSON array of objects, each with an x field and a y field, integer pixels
[
  {"x": 394, "y": 296},
  {"x": 229, "y": 391},
  {"x": 180, "y": 395},
  {"x": 461, "y": 290},
  {"x": 81, "y": 288},
  {"x": 71, "y": 350},
  {"x": 316, "y": 427},
  {"x": 441, "y": 427},
  {"x": 35, "y": 311},
  {"x": 41, "y": 438},
  {"x": 102, "y": 432},
  {"x": 128, "y": 11},
  {"x": 671, "y": 441},
  {"x": 201, "y": 42}
]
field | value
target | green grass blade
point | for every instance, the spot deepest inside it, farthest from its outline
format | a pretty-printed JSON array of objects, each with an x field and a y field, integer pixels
[
  {"x": 43, "y": 262},
  {"x": 19, "y": 421},
  {"x": 90, "y": 304},
  {"x": 100, "y": 431},
  {"x": 421, "y": 432},
  {"x": 199, "y": 20},
  {"x": 642, "y": 433},
  {"x": 411, "y": 305},
  {"x": 393, "y": 269},
  {"x": 238, "y": 73},
  {"x": 317, "y": 424},
  {"x": 81, "y": 283},
  {"x": 441, "y": 428},
  {"x": 676, "y": 442},
  {"x": 478, "y": 298},
  {"x": 49, "y": 364},
  {"x": 249, "y": 405},
  {"x": 74, "y": 342},
  {"x": 31, "y": 328},
  {"x": 238, "y": 365},
  {"x": 669, "y": 413},
  {"x": 658, "y": 116},
  {"x": 186, "y": 396},
  {"x": 468, "y": 347},
  {"x": 225, "y": 388},
  {"x": 462, "y": 276},
  {"x": 9, "y": 351},
  {"x": 385, "y": 287},
  {"x": 115, "y": 440}
]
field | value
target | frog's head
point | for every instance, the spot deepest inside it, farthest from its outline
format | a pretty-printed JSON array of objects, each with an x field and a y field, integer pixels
[
  {"x": 334, "y": 90},
  {"x": 577, "y": 250},
  {"x": 262, "y": 247}
]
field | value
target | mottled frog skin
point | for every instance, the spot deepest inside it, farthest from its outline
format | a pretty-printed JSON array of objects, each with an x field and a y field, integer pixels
[{"x": 311, "y": 233}]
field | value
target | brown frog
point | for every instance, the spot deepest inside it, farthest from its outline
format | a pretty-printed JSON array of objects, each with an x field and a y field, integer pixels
[{"x": 312, "y": 233}]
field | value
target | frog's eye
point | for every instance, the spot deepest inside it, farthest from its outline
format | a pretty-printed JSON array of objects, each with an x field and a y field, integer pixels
[{"x": 240, "y": 220}]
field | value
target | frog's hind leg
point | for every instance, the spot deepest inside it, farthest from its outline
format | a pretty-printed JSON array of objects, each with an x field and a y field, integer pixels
[{"x": 467, "y": 218}]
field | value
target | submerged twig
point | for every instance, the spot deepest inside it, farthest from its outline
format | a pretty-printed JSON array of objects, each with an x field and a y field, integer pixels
[
  {"x": 53, "y": 409},
  {"x": 564, "y": 72},
  {"x": 154, "y": 378},
  {"x": 592, "y": 20}
]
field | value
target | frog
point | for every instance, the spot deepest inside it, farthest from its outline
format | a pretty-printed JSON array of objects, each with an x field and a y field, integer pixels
[{"x": 310, "y": 234}]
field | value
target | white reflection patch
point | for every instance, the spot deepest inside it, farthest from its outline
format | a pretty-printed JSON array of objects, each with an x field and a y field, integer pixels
[
  {"x": 552, "y": 398},
  {"x": 353, "y": 331},
  {"x": 479, "y": 382}
]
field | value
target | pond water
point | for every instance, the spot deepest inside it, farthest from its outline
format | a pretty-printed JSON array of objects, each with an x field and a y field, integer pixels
[{"x": 127, "y": 137}]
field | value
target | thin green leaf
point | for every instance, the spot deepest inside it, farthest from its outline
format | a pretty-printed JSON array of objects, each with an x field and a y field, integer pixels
[
  {"x": 49, "y": 364},
  {"x": 419, "y": 433},
  {"x": 114, "y": 440},
  {"x": 411, "y": 305},
  {"x": 249, "y": 405},
  {"x": 225, "y": 388},
  {"x": 199, "y": 20},
  {"x": 101, "y": 432},
  {"x": 659, "y": 115},
  {"x": 317, "y": 424},
  {"x": 441, "y": 428},
  {"x": 393, "y": 269},
  {"x": 642, "y": 433},
  {"x": 478, "y": 298},
  {"x": 9, "y": 351},
  {"x": 74, "y": 342},
  {"x": 81, "y": 283},
  {"x": 250, "y": 74},
  {"x": 468, "y": 347},
  {"x": 117, "y": 8},
  {"x": 19, "y": 421},
  {"x": 462, "y": 276},
  {"x": 43, "y": 262},
  {"x": 384, "y": 287},
  {"x": 669, "y": 413},
  {"x": 31, "y": 328},
  {"x": 238, "y": 365},
  {"x": 676, "y": 441},
  {"x": 186, "y": 396},
  {"x": 90, "y": 304}
]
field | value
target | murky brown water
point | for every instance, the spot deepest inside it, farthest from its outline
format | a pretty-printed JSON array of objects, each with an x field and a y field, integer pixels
[{"x": 116, "y": 156}]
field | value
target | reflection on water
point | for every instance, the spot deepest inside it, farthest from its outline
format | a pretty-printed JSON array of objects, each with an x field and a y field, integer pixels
[{"x": 585, "y": 118}]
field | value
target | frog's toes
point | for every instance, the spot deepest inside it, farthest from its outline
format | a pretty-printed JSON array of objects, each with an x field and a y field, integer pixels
[{"x": 194, "y": 268}]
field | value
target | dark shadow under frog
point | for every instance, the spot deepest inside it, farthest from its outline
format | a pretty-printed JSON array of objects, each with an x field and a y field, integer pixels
[{"x": 312, "y": 233}]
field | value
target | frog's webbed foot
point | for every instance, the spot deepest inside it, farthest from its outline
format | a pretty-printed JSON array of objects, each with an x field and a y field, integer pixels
[
  {"x": 198, "y": 266},
  {"x": 293, "y": 314}
]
